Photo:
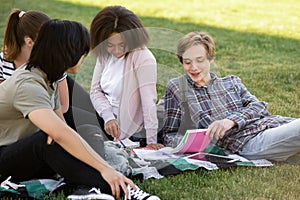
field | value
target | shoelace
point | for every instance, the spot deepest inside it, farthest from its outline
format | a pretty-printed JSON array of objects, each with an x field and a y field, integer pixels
[
  {"x": 7, "y": 184},
  {"x": 96, "y": 190},
  {"x": 138, "y": 193}
]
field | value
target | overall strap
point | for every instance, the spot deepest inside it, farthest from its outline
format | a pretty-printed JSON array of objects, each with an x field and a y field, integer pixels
[
  {"x": 186, "y": 121},
  {"x": 183, "y": 88}
]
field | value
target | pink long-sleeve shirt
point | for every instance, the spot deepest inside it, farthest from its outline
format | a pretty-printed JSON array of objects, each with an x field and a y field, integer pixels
[{"x": 137, "y": 107}]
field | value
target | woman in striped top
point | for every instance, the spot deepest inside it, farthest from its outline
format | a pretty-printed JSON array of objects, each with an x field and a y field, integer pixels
[{"x": 21, "y": 31}]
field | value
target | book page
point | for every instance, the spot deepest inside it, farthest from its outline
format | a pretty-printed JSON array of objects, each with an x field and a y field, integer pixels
[{"x": 193, "y": 141}]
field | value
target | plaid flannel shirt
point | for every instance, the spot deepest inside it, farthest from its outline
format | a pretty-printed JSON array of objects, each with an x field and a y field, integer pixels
[{"x": 222, "y": 98}]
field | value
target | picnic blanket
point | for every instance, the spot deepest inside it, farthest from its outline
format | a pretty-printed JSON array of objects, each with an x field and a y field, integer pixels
[
  {"x": 157, "y": 164},
  {"x": 36, "y": 189},
  {"x": 144, "y": 163}
]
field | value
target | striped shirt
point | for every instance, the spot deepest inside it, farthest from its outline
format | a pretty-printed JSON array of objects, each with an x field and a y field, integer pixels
[
  {"x": 7, "y": 68},
  {"x": 222, "y": 98}
]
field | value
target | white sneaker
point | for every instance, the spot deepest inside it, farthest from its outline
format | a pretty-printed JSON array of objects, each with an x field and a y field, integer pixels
[
  {"x": 139, "y": 194},
  {"x": 84, "y": 193}
]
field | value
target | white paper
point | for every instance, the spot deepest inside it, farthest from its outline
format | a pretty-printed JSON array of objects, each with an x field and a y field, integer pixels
[{"x": 148, "y": 154}]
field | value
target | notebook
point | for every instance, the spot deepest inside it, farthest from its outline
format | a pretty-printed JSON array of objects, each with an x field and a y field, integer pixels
[{"x": 193, "y": 141}]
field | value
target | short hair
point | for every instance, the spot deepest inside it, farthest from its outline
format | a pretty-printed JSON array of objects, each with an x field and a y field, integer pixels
[
  {"x": 58, "y": 47},
  {"x": 19, "y": 25},
  {"x": 117, "y": 19},
  {"x": 196, "y": 38}
]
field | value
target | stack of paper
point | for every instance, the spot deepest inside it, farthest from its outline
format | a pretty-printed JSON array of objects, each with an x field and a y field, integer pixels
[{"x": 127, "y": 143}]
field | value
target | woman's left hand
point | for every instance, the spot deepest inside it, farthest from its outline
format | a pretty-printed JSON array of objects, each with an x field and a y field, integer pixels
[
  {"x": 218, "y": 128},
  {"x": 155, "y": 146}
]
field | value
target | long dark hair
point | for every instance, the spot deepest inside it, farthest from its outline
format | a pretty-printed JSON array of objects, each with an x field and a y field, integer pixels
[
  {"x": 117, "y": 19},
  {"x": 58, "y": 47}
]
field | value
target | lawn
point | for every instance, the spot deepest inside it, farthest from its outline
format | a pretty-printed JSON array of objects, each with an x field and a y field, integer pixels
[{"x": 257, "y": 40}]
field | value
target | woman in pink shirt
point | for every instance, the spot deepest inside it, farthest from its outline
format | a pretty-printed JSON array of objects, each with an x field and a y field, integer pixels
[{"x": 123, "y": 89}]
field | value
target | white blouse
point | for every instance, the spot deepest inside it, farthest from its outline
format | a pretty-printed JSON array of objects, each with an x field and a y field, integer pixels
[{"x": 111, "y": 81}]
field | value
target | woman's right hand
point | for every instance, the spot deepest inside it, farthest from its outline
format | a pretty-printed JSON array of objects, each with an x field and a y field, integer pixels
[
  {"x": 112, "y": 128},
  {"x": 116, "y": 181}
]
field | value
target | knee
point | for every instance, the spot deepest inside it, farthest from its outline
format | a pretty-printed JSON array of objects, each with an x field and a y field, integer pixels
[
  {"x": 93, "y": 135},
  {"x": 89, "y": 130},
  {"x": 296, "y": 126}
]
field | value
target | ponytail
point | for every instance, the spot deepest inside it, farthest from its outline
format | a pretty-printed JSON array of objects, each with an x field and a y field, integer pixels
[
  {"x": 19, "y": 25},
  {"x": 13, "y": 38}
]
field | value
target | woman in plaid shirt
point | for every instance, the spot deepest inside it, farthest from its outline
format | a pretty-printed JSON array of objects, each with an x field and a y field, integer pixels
[{"x": 233, "y": 116}]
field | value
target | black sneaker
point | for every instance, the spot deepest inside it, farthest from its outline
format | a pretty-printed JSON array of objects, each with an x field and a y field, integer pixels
[
  {"x": 139, "y": 194},
  {"x": 84, "y": 193}
]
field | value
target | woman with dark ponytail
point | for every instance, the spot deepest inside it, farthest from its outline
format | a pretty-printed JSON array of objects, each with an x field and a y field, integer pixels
[{"x": 20, "y": 34}]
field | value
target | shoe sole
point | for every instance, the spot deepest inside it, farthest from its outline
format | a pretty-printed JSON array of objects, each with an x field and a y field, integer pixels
[{"x": 91, "y": 197}]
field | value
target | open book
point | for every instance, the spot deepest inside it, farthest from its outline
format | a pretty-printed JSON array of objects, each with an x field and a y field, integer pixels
[{"x": 193, "y": 141}]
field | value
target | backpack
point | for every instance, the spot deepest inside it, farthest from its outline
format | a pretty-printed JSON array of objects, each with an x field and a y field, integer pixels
[{"x": 186, "y": 121}]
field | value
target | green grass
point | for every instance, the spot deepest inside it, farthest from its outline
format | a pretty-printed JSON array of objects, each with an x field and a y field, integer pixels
[{"x": 257, "y": 40}]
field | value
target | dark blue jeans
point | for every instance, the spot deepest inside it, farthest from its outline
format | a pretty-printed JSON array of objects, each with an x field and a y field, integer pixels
[{"x": 32, "y": 157}]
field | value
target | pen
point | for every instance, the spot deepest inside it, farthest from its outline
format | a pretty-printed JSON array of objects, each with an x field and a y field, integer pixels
[{"x": 122, "y": 144}]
